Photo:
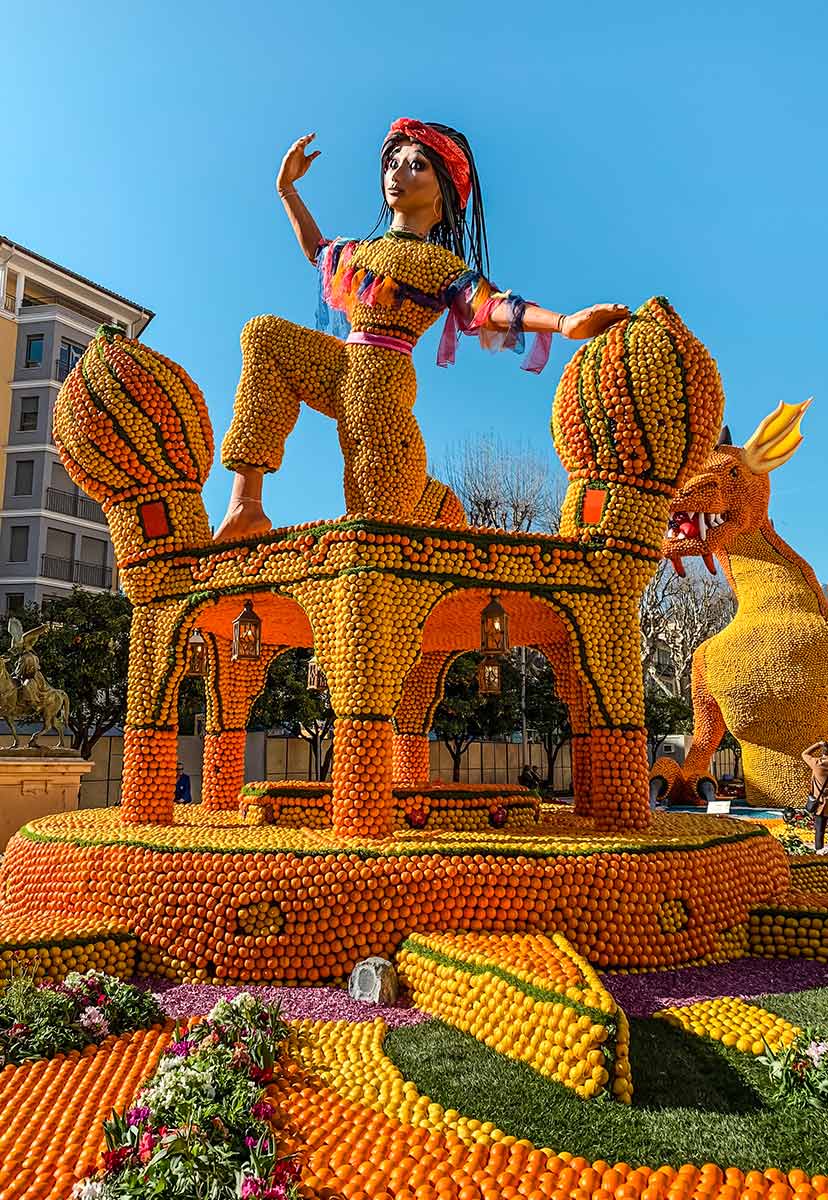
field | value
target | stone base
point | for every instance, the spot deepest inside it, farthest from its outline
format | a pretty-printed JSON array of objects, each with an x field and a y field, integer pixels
[{"x": 37, "y": 785}]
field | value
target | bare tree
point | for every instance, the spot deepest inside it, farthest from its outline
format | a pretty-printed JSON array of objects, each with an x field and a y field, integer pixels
[
  {"x": 677, "y": 615},
  {"x": 507, "y": 486},
  {"x": 514, "y": 487}
]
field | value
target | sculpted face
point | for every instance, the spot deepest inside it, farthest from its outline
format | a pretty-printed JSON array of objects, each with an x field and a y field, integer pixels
[
  {"x": 725, "y": 498},
  {"x": 410, "y": 184}
]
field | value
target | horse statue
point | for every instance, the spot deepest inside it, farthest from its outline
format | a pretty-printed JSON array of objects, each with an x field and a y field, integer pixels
[{"x": 24, "y": 690}]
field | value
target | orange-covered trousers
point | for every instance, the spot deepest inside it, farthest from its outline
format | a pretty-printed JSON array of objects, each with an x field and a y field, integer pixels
[{"x": 368, "y": 390}]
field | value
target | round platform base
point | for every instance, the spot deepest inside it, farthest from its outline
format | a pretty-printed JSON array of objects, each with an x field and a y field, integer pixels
[{"x": 210, "y": 898}]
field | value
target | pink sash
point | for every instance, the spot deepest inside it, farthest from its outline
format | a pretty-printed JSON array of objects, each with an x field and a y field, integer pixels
[{"x": 384, "y": 340}]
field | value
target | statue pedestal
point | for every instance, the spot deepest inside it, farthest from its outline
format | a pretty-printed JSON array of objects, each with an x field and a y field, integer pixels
[{"x": 33, "y": 787}]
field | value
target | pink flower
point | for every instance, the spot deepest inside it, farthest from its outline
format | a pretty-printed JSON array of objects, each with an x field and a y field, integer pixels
[
  {"x": 262, "y": 1110},
  {"x": 146, "y": 1145}
]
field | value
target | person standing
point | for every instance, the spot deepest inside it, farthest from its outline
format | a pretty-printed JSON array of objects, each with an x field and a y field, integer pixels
[
  {"x": 816, "y": 757},
  {"x": 183, "y": 791}
]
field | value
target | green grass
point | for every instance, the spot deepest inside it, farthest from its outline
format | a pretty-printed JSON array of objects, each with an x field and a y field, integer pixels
[{"x": 694, "y": 1101}]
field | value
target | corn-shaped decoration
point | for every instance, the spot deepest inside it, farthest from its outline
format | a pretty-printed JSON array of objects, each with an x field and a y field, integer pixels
[
  {"x": 133, "y": 431},
  {"x": 637, "y": 410}
]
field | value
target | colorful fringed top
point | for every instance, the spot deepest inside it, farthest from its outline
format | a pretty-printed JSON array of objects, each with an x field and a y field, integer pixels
[{"x": 398, "y": 285}]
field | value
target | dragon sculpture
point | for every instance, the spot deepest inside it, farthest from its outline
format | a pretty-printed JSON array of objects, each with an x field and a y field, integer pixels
[{"x": 765, "y": 676}]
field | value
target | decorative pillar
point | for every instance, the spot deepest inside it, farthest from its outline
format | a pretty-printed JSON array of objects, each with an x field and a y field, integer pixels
[
  {"x": 157, "y": 661},
  {"x": 230, "y": 688},
  {"x": 367, "y": 635},
  {"x": 612, "y": 691},
  {"x": 422, "y": 692}
]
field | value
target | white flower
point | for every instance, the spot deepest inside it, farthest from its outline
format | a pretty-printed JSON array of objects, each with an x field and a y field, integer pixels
[{"x": 89, "y": 1189}]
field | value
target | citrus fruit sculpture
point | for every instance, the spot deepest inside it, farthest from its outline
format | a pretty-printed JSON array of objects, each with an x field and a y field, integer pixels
[
  {"x": 386, "y": 607},
  {"x": 765, "y": 676}
]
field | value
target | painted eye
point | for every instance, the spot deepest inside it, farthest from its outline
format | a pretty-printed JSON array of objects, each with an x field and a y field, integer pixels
[{"x": 734, "y": 472}]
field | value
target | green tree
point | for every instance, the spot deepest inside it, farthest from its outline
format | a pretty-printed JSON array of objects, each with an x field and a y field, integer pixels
[
  {"x": 663, "y": 715},
  {"x": 547, "y": 717},
  {"x": 464, "y": 716},
  {"x": 286, "y": 701},
  {"x": 85, "y": 652}
]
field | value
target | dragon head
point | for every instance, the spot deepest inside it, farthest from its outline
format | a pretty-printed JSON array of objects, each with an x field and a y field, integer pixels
[{"x": 729, "y": 495}]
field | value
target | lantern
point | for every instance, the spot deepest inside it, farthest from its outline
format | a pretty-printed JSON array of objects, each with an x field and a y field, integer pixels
[
  {"x": 488, "y": 675},
  {"x": 247, "y": 635},
  {"x": 196, "y": 655},
  {"x": 494, "y": 628},
  {"x": 316, "y": 677}
]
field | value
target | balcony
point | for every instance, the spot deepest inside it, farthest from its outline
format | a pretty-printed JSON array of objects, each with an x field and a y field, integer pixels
[
  {"x": 9, "y": 304},
  {"x": 72, "y": 504},
  {"x": 72, "y": 570}
]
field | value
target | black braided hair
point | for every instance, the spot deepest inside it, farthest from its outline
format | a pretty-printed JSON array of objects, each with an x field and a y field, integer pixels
[{"x": 464, "y": 236}]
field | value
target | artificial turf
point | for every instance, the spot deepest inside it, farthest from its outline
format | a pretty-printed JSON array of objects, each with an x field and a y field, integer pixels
[{"x": 695, "y": 1101}]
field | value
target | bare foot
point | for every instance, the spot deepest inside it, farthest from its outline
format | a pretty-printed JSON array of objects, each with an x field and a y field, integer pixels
[{"x": 244, "y": 519}]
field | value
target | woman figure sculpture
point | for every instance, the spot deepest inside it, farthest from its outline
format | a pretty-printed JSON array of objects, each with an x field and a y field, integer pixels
[{"x": 391, "y": 288}]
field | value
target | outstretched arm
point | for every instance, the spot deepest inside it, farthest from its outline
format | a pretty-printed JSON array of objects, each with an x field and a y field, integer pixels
[
  {"x": 586, "y": 323},
  {"x": 809, "y": 756},
  {"x": 294, "y": 165}
]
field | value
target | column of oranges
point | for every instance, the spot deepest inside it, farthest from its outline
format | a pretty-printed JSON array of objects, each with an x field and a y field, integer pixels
[
  {"x": 223, "y": 769},
  {"x": 412, "y": 758}
]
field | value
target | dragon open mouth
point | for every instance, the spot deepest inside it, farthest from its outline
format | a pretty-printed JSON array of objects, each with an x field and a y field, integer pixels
[{"x": 692, "y": 526}]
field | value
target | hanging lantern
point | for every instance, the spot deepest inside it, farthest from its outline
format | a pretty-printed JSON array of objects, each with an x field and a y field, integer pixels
[
  {"x": 196, "y": 655},
  {"x": 489, "y": 675},
  {"x": 494, "y": 628},
  {"x": 247, "y": 635},
  {"x": 316, "y": 677}
]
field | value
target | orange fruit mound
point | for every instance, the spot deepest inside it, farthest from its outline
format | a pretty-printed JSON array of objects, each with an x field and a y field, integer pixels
[
  {"x": 52, "y": 1110},
  {"x": 530, "y": 997},
  {"x": 217, "y": 899}
]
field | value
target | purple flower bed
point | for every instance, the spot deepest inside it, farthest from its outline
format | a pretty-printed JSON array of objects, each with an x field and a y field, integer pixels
[
  {"x": 642, "y": 995},
  {"x": 312, "y": 1003}
]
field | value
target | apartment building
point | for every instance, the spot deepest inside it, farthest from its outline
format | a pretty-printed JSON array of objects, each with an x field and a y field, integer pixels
[{"x": 52, "y": 536}]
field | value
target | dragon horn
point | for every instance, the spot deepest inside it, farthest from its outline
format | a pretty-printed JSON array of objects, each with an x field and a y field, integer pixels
[
  {"x": 776, "y": 438},
  {"x": 724, "y": 437}
]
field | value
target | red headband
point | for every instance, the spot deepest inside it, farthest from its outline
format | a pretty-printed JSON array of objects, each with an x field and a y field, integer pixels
[{"x": 453, "y": 157}]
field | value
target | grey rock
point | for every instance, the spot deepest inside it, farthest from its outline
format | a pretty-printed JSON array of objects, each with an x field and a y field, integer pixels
[{"x": 374, "y": 981}]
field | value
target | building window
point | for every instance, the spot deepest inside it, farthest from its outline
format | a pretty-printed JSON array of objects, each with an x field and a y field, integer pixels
[
  {"x": 23, "y": 476},
  {"x": 34, "y": 350},
  {"x": 19, "y": 544},
  {"x": 70, "y": 353},
  {"x": 29, "y": 412},
  {"x": 14, "y": 602}
]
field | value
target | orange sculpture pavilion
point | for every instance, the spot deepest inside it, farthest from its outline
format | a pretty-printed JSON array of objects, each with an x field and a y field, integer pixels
[{"x": 386, "y": 608}]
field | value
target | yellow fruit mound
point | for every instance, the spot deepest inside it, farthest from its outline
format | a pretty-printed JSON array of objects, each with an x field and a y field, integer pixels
[
  {"x": 528, "y": 996},
  {"x": 809, "y": 873},
  {"x": 795, "y": 927},
  {"x": 733, "y": 1022},
  {"x": 54, "y": 946}
]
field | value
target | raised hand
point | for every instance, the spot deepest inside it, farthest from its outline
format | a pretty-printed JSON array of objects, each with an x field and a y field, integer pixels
[
  {"x": 296, "y": 162},
  {"x": 589, "y": 322}
]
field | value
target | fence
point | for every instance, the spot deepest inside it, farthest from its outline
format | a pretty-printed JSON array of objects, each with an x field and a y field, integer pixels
[{"x": 275, "y": 757}]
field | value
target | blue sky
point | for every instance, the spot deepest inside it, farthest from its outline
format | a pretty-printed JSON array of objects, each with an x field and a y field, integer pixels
[{"x": 625, "y": 150}]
